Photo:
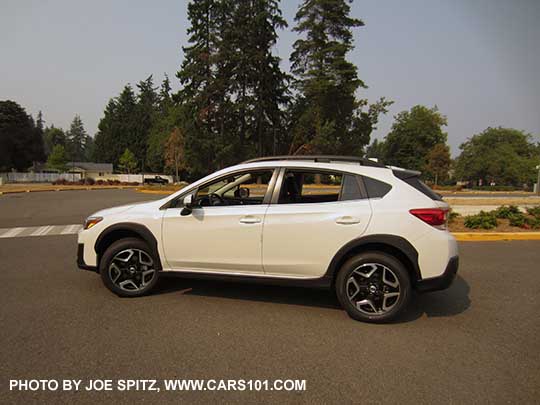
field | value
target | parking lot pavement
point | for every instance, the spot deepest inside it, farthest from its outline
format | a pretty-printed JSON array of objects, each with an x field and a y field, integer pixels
[
  {"x": 476, "y": 342},
  {"x": 61, "y": 207}
]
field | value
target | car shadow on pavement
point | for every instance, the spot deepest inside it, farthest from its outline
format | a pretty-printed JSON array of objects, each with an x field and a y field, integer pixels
[
  {"x": 248, "y": 291},
  {"x": 450, "y": 302}
]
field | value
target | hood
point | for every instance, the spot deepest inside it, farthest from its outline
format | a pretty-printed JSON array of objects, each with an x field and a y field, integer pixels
[{"x": 115, "y": 210}]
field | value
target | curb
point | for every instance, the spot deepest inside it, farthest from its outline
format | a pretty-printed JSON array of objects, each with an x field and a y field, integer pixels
[
  {"x": 67, "y": 189},
  {"x": 164, "y": 192},
  {"x": 494, "y": 236}
]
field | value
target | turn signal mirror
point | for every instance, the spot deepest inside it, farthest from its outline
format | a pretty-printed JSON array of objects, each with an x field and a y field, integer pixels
[{"x": 188, "y": 205}]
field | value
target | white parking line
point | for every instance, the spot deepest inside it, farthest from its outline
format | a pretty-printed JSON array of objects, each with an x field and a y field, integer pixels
[
  {"x": 41, "y": 230},
  {"x": 68, "y": 229},
  {"x": 45, "y": 230},
  {"x": 11, "y": 233}
]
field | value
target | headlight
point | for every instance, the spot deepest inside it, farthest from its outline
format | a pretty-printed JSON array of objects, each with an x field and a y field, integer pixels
[{"x": 91, "y": 221}]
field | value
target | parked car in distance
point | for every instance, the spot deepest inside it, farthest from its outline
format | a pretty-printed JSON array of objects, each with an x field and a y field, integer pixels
[
  {"x": 372, "y": 233},
  {"x": 155, "y": 180}
]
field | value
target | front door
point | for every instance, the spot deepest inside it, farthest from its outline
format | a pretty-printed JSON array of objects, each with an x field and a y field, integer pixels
[{"x": 223, "y": 233}]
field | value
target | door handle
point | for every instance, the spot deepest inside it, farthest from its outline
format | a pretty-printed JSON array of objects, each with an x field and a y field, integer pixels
[
  {"x": 347, "y": 220},
  {"x": 249, "y": 219}
]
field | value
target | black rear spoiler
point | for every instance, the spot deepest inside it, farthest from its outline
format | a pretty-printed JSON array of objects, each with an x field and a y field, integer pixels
[
  {"x": 412, "y": 177},
  {"x": 405, "y": 174}
]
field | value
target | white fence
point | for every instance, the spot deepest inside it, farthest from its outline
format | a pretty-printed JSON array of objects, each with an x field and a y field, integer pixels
[{"x": 17, "y": 177}]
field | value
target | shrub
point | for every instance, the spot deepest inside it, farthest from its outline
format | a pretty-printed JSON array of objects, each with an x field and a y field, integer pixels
[
  {"x": 89, "y": 181},
  {"x": 452, "y": 216},
  {"x": 506, "y": 211},
  {"x": 100, "y": 182},
  {"x": 534, "y": 211},
  {"x": 533, "y": 222},
  {"x": 517, "y": 220},
  {"x": 482, "y": 220}
]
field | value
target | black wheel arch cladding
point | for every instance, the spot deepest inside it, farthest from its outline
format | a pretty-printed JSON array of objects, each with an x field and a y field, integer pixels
[{"x": 125, "y": 230}]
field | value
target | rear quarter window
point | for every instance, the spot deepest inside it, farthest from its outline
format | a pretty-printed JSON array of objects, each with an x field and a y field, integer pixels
[{"x": 376, "y": 188}]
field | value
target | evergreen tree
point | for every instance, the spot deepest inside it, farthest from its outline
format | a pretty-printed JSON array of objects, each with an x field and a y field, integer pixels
[
  {"x": 118, "y": 127},
  {"x": 76, "y": 140},
  {"x": 38, "y": 146},
  {"x": 200, "y": 91},
  {"x": 233, "y": 90},
  {"x": 327, "y": 117},
  {"x": 258, "y": 85},
  {"x": 146, "y": 111}
]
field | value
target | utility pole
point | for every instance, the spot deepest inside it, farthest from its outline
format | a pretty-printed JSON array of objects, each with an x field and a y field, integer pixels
[{"x": 538, "y": 181}]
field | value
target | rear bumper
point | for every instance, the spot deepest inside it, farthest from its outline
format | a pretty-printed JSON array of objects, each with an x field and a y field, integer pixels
[
  {"x": 80, "y": 259},
  {"x": 440, "y": 282}
]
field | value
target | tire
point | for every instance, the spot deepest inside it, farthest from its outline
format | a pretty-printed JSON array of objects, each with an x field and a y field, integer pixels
[
  {"x": 127, "y": 268},
  {"x": 373, "y": 287}
]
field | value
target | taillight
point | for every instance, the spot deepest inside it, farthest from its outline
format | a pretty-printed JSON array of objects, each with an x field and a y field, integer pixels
[{"x": 431, "y": 216}]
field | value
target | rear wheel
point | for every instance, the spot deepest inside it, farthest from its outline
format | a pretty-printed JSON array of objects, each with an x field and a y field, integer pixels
[
  {"x": 128, "y": 268},
  {"x": 373, "y": 287}
]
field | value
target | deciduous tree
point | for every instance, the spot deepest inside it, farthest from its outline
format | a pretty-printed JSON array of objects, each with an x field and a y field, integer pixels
[
  {"x": 505, "y": 156},
  {"x": 57, "y": 159},
  {"x": 413, "y": 135},
  {"x": 20, "y": 142},
  {"x": 438, "y": 162},
  {"x": 127, "y": 162},
  {"x": 174, "y": 151}
]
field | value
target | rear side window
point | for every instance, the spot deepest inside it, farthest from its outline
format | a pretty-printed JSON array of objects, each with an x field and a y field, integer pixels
[
  {"x": 302, "y": 186},
  {"x": 351, "y": 188},
  {"x": 376, "y": 188}
]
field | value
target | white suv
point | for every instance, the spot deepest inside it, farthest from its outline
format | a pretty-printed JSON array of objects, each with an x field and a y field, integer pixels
[{"x": 371, "y": 232}]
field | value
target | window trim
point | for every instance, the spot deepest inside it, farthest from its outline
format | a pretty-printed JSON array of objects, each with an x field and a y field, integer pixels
[{"x": 279, "y": 182}]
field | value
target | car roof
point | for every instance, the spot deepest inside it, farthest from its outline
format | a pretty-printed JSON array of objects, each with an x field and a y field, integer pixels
[{"x": 319, "y": 159}]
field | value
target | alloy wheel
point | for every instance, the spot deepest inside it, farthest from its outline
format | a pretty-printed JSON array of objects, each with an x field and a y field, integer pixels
[
  {"x": 373, "y": 289},
  {"x": 131, "y": 270}
]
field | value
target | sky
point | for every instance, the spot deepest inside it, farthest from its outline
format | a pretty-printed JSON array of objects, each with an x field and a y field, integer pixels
[{"x": 478, "y": 61}]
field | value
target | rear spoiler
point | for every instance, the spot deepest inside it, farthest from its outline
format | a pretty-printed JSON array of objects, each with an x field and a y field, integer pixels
[
  {"x": 412, "y": 177},
  {"x": 403, "y": 174}
]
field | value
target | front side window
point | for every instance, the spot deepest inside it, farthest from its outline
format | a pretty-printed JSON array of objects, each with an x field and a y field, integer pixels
[{"x": 245, "y": 188}]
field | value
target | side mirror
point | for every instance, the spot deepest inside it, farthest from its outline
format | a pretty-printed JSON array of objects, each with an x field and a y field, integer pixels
[{"x": 188, "y": 205}]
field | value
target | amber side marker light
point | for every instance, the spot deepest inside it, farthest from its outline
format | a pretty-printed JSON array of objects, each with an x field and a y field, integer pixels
[{"x": 91, "y": 221}]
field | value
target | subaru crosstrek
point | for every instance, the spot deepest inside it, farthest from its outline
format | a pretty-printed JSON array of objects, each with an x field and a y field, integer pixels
[{"x": 373, "y": 233}]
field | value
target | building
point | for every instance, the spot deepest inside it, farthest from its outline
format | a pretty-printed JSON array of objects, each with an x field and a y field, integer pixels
[{"x": 96, "y": 171}]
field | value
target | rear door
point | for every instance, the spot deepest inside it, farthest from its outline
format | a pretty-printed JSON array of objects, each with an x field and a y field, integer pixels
[{"x": 312, "y": 215}]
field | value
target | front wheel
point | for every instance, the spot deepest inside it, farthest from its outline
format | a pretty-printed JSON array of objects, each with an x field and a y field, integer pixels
[
  {"x": 128, "y": 268},
  {"x": 373, "y": 287}
]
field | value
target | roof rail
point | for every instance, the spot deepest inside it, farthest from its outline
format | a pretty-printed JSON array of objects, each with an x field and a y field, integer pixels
[{"x": 319, "y": 158}]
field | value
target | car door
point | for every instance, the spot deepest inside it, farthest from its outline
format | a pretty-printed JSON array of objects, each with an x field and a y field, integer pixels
[
  {"x": 224, "y": 230},
  {"x": 312, "y": 215}
]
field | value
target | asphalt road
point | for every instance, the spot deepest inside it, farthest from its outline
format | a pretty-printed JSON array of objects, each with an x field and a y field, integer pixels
[{"x": 477, "y": 342}]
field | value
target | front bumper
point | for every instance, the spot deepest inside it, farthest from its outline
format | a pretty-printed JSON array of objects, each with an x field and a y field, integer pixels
[
  {"x": 80, "y": 259},
  {"x": 440, "y": 282}
]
